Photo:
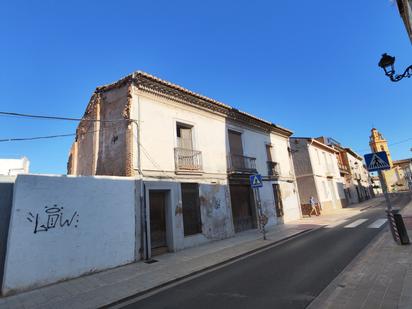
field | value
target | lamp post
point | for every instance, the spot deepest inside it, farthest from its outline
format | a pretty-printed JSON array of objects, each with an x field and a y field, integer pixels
[{"x": 387, "y": 63}]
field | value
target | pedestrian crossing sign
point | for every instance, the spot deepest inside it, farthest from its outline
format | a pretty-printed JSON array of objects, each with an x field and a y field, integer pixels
[
  {"x": 377, "y": 161},
  {"x": 256, "y": 181}
]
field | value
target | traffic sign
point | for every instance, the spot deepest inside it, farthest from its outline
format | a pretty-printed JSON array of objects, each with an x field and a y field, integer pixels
[
  {"x": 256, "y": 181},
  {"x": 377, "y": 161}
]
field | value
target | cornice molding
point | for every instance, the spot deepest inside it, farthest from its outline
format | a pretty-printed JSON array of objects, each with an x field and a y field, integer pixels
[{"x": 154, "y": 85}]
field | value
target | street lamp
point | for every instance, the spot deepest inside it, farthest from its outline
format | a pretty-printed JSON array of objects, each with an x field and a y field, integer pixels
[{"x": 387, "y": 63}]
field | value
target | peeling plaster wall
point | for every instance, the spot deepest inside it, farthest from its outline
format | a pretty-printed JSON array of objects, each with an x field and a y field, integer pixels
[
  {"x": 104, "y": 148},
  {"x": 291, "y": 206},
  {"x": 268, "y": 202},
  {"x": 86, "y": 138},
  {"x": 112, "y": 153},
  {"x": 301, "y": 158},
  {"x": 62, "y": 227},
  {"x": 215, "y": 210}
]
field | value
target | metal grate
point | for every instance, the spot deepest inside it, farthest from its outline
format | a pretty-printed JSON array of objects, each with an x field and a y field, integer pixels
[
  {"x": 239, "y": 163},
  {"x": 188, "y": 159}
]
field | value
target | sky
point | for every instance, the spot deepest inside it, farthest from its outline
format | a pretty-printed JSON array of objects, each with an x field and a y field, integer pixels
[{"x": 311, "y": 68}]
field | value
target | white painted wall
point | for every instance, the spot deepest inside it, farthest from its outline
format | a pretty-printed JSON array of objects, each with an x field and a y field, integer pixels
[
  {"x": 159, "y": 138},
  {"x": 254, "y": 145},
  {"x": 101, "y": 234},
  {"x": 14, "y": 166},
  {"x": 158, "y": 118},
  {"x": 324, "y": 162}
]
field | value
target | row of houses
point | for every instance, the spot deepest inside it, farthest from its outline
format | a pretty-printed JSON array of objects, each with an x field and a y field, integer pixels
[
  {"x": 148, "y": 128},
  {"x": 158, "y": 168}
]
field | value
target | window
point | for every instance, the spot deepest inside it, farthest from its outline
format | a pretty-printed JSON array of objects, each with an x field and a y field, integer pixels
[
  {"x": 235, "y": 142},
  {"x": 317, "y": 154},
  {"x": 269, "y": 151},
  {"x": 192, "y": 223}
]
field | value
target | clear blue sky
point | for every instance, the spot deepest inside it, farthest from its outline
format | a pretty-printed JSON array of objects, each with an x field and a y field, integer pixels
[{"x": 309, "y": 66}]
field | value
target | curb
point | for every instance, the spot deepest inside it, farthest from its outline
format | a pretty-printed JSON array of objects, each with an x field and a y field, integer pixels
[{"x": 210, "y": 267}]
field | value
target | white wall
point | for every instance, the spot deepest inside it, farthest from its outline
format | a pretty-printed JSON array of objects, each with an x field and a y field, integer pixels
[
  {"x": 216, "y": 212},
  {"x": 14, "y": 166},
  {"x": 101, "y": 233},
  {"x": 323, "y": 167},
  {"x": 159, "y": 138},
  {"x": 254, "y": 145}
]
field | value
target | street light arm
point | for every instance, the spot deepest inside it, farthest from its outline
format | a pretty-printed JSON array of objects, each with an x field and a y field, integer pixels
[{"x": 397, "y": 78}]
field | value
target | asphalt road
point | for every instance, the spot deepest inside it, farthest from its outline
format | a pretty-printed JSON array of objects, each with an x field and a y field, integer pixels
[{"x": 289, "y": 275}]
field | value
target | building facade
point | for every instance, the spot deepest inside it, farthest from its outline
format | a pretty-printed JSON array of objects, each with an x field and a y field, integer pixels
[
  {"x": 194, "y": 155},
  {"x": 317, "y": 173},
  {"x": 405, "y": 174},
  {"x": 12, "y": 167}
]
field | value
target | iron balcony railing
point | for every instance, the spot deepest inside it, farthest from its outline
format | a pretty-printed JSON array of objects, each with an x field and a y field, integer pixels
[
  {"x": 273, "y": 168},
  {"x": 188, "y": 159},
  {"x": 240, "y": 163}
]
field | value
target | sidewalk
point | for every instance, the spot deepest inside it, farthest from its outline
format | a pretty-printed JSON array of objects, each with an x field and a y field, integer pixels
[
  {"x": 379, "y": 277},
  {"x": 107, "y": 287}
]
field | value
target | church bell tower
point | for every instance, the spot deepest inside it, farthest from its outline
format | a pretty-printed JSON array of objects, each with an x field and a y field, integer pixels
[{"x": 377, "y": 143}]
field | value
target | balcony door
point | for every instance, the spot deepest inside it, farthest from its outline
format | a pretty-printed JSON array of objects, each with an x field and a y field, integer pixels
[
  {"x": 235, "y": 143},
  {"x": 186, "y": 158},
  {"x": 184, "y": 136}
]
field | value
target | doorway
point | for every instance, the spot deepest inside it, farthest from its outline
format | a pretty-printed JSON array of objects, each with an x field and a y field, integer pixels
[
  {"x": 158, "y": 236},
  {"x": 243, "y": 210},
  {"x": 278, "y": 201}
]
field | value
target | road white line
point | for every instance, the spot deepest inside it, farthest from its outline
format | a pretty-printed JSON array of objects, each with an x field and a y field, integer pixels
[
  {"x": 335, "y": 224},
  {"x": 355, "y": 223},
  {"x": 377, "y": 224}
]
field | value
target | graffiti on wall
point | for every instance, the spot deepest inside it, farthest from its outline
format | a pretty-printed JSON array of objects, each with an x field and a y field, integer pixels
[{"x": 51, "y": 218}]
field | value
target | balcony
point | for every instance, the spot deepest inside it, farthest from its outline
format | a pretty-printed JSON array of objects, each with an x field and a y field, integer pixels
[
  {"x": 273, "y": 169},
  {"x": 343, "y": 168},
  {"x": 188, "y": 159},
  {"x": 241, "y": 164}
]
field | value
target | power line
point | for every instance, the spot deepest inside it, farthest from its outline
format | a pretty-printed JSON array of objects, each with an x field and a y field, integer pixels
[
  {"x": 18, "y": 139},
  {"x": 59, "y": 118},
  {"x": 34, "y": 138}
]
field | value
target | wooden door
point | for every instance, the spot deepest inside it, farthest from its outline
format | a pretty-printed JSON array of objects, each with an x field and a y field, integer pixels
[
  {"x": 244, "y": 215},
  {"x": 157, "y": 204}
]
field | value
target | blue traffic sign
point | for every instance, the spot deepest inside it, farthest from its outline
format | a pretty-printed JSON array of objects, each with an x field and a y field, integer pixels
[
  {"x": 377, "y": 161},
  {"x": 256, "y": 181}
]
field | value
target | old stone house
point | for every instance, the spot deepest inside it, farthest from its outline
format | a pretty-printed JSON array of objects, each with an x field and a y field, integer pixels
[{"x": 194, "y": 155}]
